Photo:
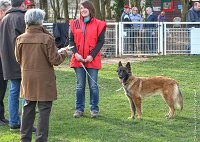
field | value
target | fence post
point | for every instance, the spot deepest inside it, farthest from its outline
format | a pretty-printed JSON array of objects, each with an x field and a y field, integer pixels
[
  {"x": 120, "y": 39},
  {"x": 116, "y": 39},
  {"x": 161, "y": 38},
  {"x": 165, "y": 39}
]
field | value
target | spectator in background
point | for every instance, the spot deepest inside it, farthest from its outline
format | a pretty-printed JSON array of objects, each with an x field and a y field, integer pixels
[
  {"x": 38, "y": 86},
  {"x": 193, "y": 15},
  {"x": 126, "y": 16},
  {"x": 137, "y": 27},
  {"x": 161, "y": 17},
  {"x": 127, "y": 28},
  {"x": 4, "y": 6},
  {"x": 12, "y": 26},
  {"x": 29, "y": 4},
  {"x": 151, "y": 30}
]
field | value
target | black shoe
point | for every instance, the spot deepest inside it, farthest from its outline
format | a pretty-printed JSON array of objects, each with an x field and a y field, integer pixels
[
  {"x": 15, "y": 128},
  {"x": 2, "y": 123},
  {"x": 34, "y": 130},
  {"x": 5, "y": 121}
]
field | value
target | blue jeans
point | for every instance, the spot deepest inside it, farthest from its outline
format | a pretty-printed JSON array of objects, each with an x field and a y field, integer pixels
[
  {"x": 13, "y": 102},
  {"x": 80, "y": 89}
]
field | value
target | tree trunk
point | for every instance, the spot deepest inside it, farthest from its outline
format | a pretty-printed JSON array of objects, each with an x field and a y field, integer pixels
[
  {"x": 103, "y": 9},
  {"x": 66, "y": 13},
  {"x": 52, "y": 2},
  {"x": 108, "y": 9},
  {"x": 44, "y": 5},
  {"x": 97, "y": 8},
  {"x": 76, "y": 10},
  {"x": 57, "y": 9},
  {"x": 185, "y": 4}
]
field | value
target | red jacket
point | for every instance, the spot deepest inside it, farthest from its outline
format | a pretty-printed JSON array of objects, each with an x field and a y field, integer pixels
[{"x": 85, "y": 39}]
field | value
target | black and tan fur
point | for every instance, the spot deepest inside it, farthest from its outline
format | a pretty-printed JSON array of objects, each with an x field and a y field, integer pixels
[{"x": 138, "y": 87}]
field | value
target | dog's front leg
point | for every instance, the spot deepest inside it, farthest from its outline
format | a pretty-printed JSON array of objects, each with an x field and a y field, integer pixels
[
  {"x": 137, "y": 102},
  {"x": 132, "y": 106}
]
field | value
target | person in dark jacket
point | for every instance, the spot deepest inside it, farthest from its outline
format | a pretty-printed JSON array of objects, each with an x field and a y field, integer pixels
[
  {"x": 125, "y": 17},
  {"x": 151, "y": 30},
  {"x": 193, "y": 15},
  {"x": 4, "y": 6},
  {"x": 12, "y": 26}
]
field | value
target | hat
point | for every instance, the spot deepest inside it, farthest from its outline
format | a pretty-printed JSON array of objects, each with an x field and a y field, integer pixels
[
  {"x": 28, "y": 2},
  {"x": 126, "y": 6},
  {"x": 16, "y": 3}
]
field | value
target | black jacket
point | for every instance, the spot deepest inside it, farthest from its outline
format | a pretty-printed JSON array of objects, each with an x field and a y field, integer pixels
[
  {"x": 60, "y": 32},
  {"x": 12, "y": 26}
]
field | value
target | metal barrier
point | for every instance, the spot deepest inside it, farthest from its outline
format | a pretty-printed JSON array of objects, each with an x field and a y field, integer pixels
[{"x": 161, "y": 39}]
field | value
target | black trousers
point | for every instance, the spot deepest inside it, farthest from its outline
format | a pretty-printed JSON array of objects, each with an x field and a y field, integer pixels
[
  {"x": 28, "y": 118},
  {"x": 3, "y": 86}
]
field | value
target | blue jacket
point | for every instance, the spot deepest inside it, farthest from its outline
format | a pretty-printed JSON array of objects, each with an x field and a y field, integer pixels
[
  {"x": 193, "y": 16},
  {"x": 151, "y": 18}
]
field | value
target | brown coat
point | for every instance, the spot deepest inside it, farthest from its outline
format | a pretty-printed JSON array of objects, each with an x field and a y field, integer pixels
[{"x": 36, "y": 53}]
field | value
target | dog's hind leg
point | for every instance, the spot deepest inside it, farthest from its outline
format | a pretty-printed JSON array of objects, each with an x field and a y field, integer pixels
[
  {"x": 138, "y": 101},
  {"x": 168, "y": 98},
  {"x": 132, "y": 106}
]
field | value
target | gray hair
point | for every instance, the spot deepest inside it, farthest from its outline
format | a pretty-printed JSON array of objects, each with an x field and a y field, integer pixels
[
  {"x": 4, "y": 4},
  {"x": 34, "y": 17}
]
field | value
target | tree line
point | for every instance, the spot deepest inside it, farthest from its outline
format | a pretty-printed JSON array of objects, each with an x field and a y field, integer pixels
[{"x": 105, "y": 9}]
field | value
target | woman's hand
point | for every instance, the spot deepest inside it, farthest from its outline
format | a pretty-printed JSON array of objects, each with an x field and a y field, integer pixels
[
  {"x": 79, "y": 57},
  {"x": 89, "y": 59}
]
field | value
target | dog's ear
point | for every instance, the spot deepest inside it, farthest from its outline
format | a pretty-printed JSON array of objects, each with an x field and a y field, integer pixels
[
  {"x": 128, "y": 65},
  {"x": 119, "y": 65}
]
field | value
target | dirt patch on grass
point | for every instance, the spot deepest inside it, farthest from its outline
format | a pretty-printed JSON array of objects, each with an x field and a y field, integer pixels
[{"x": 123, "y": 60}]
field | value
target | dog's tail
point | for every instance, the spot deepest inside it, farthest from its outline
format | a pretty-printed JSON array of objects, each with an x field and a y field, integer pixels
[{"x": 178, "y": 98}]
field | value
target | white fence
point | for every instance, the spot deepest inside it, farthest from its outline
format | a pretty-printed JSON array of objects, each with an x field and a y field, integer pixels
[{"x": 165, "y": 38}]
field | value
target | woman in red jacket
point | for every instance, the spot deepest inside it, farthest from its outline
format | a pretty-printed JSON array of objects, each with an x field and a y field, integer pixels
[{"x": 87, "y": 36}]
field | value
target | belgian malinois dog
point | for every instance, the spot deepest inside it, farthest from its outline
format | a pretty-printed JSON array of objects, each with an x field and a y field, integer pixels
[{"x": 137, "y": 87}]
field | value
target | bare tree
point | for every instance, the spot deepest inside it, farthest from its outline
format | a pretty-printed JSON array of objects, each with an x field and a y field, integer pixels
[
  {"x": 66, "y": 13},
  {"x": 97, "y": 8},
  {"x": 76, "y": 10},
  {"x": 108, "y": 9},
  {"x": 103, "y": 10},
  {"x": 185, "y": 4},
  {"x": 44, "y": 5},
  {"x": 53, "y": 5}
]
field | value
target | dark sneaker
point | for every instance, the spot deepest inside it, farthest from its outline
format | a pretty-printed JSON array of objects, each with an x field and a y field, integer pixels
[
  {"x": 94, "y": 114},
  {"x": 5, "y": 121},
  {"x": 34, "y": 130},
  {"x": 2, "y": 123},
  {"x": 78, "y": 114},
  {"x": 15, "y": 128}
]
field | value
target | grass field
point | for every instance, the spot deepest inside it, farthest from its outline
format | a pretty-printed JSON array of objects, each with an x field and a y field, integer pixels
[{"x": 112, "y": 124}]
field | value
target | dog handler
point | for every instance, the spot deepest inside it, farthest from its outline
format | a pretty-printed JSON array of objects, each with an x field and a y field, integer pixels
[
  {"x": 36, "y": 53},
  {"x": 87, "y": 36}
]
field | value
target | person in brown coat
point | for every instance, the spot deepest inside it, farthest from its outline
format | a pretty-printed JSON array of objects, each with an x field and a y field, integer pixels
[{"x": 36, "y": 53}]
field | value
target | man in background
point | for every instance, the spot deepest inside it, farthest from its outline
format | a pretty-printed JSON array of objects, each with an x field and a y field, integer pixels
[{"x": 12, "y": 26}]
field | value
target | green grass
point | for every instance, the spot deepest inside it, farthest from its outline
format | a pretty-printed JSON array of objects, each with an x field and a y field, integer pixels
[{"x": 113, "y": 125}]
